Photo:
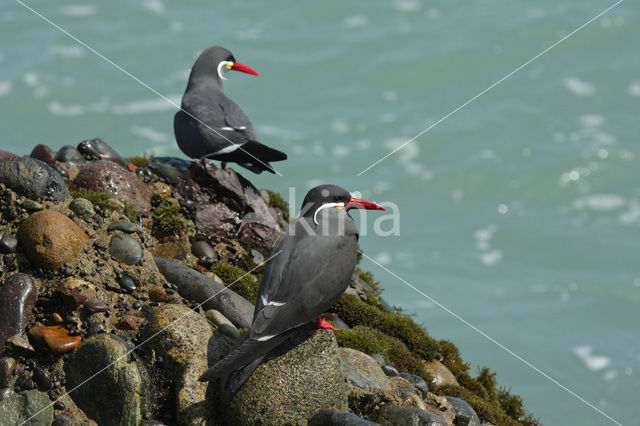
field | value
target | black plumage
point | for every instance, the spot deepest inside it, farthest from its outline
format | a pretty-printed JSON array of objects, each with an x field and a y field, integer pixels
[
  {"x": 210, "y": 125},
  {"x": 310, "y": 267}
]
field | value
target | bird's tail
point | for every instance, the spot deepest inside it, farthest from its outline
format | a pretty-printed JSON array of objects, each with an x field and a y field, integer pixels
[
  {"x": 254, "y": 156},
  {"x": 244, "y": 354}
]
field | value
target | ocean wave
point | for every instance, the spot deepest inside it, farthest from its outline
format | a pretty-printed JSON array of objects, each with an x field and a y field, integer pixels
[
  {"x": 355, "y": 21},
  {"x": 407, "y": 6},
  {"x": 147, "y": 105},
  {"x": 150, "y": 134},
  {"x": 67, "y": 51},
  {"x": 599, "y": 202},
  {"x": 79, "y": 10},
  {"x": 155, "y": 6},
  {"x": 5, "y": 87},
  {"x": 579, "y": 87},
  {"x": 593, "y": 362},
  {"x": 634, "y": 88}
]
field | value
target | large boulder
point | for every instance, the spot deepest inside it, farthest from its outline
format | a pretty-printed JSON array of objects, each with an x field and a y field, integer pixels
[
  {"x": 33, "y": 179},
  {"x": 50, "y": 239},
  {"x": 399, "y": 416},
  {"x": 121, "y": 393},
  {"x": 300, "y": 378},
  {"x": 180, "y": 335}
]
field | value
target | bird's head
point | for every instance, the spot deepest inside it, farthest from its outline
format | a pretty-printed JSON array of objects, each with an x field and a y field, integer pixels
[
  {"x": 332, "y": 196},
  {"x": 221, "y": 60}
]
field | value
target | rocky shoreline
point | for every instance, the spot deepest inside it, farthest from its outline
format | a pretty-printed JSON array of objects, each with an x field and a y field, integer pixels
[{"x": 122, "y": 280}]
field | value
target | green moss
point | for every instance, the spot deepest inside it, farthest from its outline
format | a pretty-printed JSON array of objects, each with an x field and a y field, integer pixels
[
  {"x": 354, "y": 312},
  {"x": 276, "y": 201},
  {"x": 140, "y": 161},
  {"x": 367, "y": 277},
  {"x": 513, "y": 406},
  {"x": 370, "y": 341},
  {"x": 96, "y": 197},
  {"x": 167, "y": 219},
  {"x": 246, "y": 285}
]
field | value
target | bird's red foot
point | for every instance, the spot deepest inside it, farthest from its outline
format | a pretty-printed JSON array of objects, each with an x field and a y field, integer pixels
[{"x": 322, "y": 323}]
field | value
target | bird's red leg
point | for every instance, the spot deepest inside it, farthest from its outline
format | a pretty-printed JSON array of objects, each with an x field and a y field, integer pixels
[
  {"x": 223, "y": 165},
  {"x": 322, "y": 323}
]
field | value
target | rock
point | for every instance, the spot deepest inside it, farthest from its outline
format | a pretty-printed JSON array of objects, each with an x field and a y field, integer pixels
[
  {"x": 41, "y": 378},
  {"x": 7, "y": 366},
  {"x": 193, "y": 285},
  {"x": 157, "y": 293},
  {"x": 110, "y": 177},
  {"x": 169, "y": 168},
  {"x": 69, "y": 154},
  {"x": 127, "y": 284},
  {"x": 229, "y": 330},
  {"x": 63, "y": 420},
  {"x": 7, "y": 154},
  {"x": 71, "y": 297},
  {"x": 32, "y": 407},
  {"x": 338, "y": 418},
  {"x": 50, "y": 239},
  {"x": 398, "y": 415},
  {"x": 18, "y": 345},
  {"x": 95, "y": 328},
  {"x": 390, "y": 371},
  {"x": 33, "y": 179},
  {"x": 417, "y": 381},
  {"x": 95, "y": 306},
  {"x": 128, "y": 227},
  {"x": 205, "y": 254},
  {"x": 17, "y": 299},
  {"x": 32, "y": 206},
  {"x": 55, "y": 337},
  {"x": 181, "y": 337},
  {"x": 125, "y": 249},
  {"x": 299, "y": 378},
  {"x": 5, "y": 393},
  {"x": 44, "y": 154},
  {"x": 363, "y": 371},
  {"x": 126, "y": 324},
  {"x": 216, "y": 317},
  {"x": 224, "y": 204},
  {"x": 97, "y": 149},
  {"x": 82, "y": 207},
  {"x": 465, "y": 414},
  {"x": 121, "y": 394},
  {"x": 441, "y": 374},
  {"x": 8, "y": 245}
]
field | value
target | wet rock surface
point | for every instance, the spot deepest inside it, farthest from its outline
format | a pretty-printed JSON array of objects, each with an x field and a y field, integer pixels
[
  {"x": 338, "y": 418},
  {"x": 30, "y": 406},
  {"x": 69, "y": 154},
  {"x": 182, "y": 336},
  {"x": 44, "y": 154},
  {"x": 169, "y": 168},
  {"x": 33, "y": 179},
  {"x": 398, "y": 415},
  {"x": 125, "y": 249},
  {"x": 129, "y": 396},
  {"x": 224, "y": 204},
  {"x": 17, "y": 300},
  {"x": 299, "y": 379},
  {"x": 464, "y": 413},
  {"x": 50, "y": 239},
  {"x": 110, "y": 177},
  {"x": 195, "y": 286},
  {"x": 363, "y": 371},
  {"x": 54, "y": 337},
  {"x": 97, "y": 149}
]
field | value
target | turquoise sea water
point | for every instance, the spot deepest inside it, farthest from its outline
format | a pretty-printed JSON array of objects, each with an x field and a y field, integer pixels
[{"x": 520, "y": 212}]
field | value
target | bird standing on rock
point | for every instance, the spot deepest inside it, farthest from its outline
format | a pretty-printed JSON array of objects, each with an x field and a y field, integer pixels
[
  {"x": 310, "y": 267},
  {"x": 210, "y": 125}
]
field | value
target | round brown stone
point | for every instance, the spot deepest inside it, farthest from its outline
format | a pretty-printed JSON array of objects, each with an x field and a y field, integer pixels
[
  {"x": 110, "y": 177},
  {"x": 50, "y": 239}
]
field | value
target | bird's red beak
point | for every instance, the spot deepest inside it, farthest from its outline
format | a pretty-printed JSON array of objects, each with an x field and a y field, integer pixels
[
  {"x": 356, "y": 203},
  {"x": 237, "y": 66}
]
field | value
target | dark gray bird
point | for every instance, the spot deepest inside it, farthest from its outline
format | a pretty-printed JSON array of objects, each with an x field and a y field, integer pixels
[
  {"x": 309, "y": 268},
  {"x": 210, "y": 125}
]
